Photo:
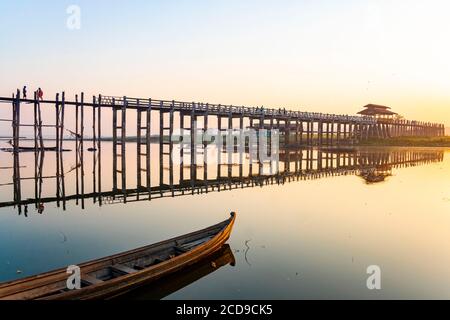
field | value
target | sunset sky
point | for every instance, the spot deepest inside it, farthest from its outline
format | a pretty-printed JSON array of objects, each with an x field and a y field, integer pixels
[{"x": 324, "y": 56}]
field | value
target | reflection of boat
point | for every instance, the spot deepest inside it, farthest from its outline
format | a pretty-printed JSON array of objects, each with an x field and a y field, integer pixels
[
  {"x": 120, "y": 273},
  {"x": 179, "y": 280}
]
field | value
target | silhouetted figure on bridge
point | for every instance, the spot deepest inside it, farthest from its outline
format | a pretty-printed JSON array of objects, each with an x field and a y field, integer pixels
[{"x": 40, "y": 94}]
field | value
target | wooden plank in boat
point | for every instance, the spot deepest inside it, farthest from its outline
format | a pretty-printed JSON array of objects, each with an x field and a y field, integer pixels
[
  {"x": 192, "y": 244},
  {"x": 181, "y": 250},
  {"x": 90, "y": 280},
  {"x": 123, "y": 269}
]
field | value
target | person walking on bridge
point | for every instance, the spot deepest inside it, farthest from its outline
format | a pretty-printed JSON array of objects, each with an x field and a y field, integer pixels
[
  {"x": 40, "y": 94},
  {"x": 24, "y": 92}
]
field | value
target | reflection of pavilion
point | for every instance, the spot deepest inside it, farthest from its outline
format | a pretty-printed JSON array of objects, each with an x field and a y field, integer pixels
[
  {"x": 188, "y": 179},
  {"x": 375, "y": 174}
]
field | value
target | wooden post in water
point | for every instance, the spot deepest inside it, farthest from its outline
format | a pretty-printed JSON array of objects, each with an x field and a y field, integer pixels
[
  {"x": 205, "y": 148},
  {"x": 230, "y": 145},
  {"x": 219, "y": 146},
  {"x": 161, "y": 144},
  {"x": 36, "y": 152},
  {"x": 57, "y": 122},
  {"x": 320, "y": 133},
  {"x": 82, "y": 148},
  {"x": 332, "y": 133},
  {"x": 62, "y": 184},
  {"x": 193, "y": 165},
  {"x": 183, "y": 142},
  {"x": 339, "y": 133},
  {"x": 148, "y": 137},
  {"x": 35, "y": 124},
  {"x": 94, "y": 123},
  {"x": 114, "y": 129},
  {"x": 14, "y": 122},
  {"x": 138, "y": 147},
  {"x": 99, "y": 151},
  {"x": 77, "y": 148},
  {"x": 61, "y": 129},
  {"x": 123, "y": 145},
  {"x": 241, "y": 146},
  {"x": 57, "y": 125},
  {"x": 94, "y": 145},
  {"x": 171, "y": 128}
]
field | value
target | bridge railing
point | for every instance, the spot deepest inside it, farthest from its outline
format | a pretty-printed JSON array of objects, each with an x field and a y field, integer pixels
[{"x": 257, "y": 112}]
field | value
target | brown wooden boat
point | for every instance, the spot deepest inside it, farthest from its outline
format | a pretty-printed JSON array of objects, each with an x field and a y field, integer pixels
[
  {"x": 166, "y": 286},
  {"x": 115, "y": 275}
]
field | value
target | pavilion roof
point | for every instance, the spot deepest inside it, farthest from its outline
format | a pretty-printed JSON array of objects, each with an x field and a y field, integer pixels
[{"x": 375, "y": 109}]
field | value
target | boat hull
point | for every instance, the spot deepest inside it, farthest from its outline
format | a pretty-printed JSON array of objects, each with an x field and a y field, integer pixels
[{"x": 38, "y": 287}]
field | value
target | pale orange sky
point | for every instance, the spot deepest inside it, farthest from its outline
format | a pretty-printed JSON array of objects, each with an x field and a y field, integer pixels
[{"x": 303, "y": 55}]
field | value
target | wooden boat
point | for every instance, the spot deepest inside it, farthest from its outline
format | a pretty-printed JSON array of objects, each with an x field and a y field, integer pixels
[
  {"x": 115, "y": 275},
  {"x": 166, "y": 286}
]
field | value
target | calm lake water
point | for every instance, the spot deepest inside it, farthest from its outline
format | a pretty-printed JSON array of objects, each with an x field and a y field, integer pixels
[{"x": 311, "y": 237}]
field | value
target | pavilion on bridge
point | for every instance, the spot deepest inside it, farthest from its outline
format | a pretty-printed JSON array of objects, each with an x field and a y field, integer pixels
[{"x": 378, "y": 111}]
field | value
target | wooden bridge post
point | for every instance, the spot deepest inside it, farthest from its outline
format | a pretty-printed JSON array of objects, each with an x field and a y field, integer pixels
[
  {"x": 182, "y": 146},
  {"x": 148, "y": 147},
  {"x": 230, "y": 145},
  {"x": 94, "y": 124},
  {"x": 123, "y": 145},
  {"x": 332, "y": 133},
  {"x": 77, "y": 148},
  {"x": 99, "y": 146},
  {"x": 193, "y": 145},
  {"x": 288, "y": 142},
  {"x": 205, "y": 147},
  {"x": 14, "y": 121},
  {"x": 114, "y": 129},
  {"x": 62, "y": 121},
  {"x": 261, "y": 128},
  {"x": 57, "y": 125},
  {"x": 171, "y": 122},
  {"x": 94, "y": 145},
  {"x": 320, "y": 132},
  {"x": 82, "y": 147},
  {"x": 309, "y": 132},
  {"x": 57, "y": 122},
  {"x": 301, "y": 132},
  {"x": 220, "y": 144},
  {"x": 139, "y": 146},
  {"x": 241, "y": 146},
  {"x": 327, "y": 132},
  {"x": 161, "y": 144},
  {"x": 345, "y": 131},
  {"x": 339, "y": 133},
  {"x": 35, "y": 123}
]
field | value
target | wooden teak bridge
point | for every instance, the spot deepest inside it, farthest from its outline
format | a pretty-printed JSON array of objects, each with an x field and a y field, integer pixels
[{"x": 297, "y": 128}]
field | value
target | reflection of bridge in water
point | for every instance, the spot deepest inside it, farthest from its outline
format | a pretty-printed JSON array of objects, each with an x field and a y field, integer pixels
[{"x": 174, "y": 180}]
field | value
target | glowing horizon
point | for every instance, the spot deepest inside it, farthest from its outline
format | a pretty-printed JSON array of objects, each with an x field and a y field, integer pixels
[{"x": 302, "y": 55}]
